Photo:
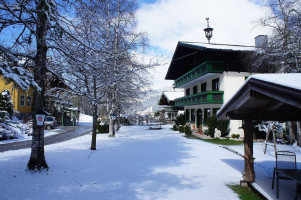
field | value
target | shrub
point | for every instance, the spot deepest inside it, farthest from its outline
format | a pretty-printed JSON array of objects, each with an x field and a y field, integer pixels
[
  {"x": 206, "y": 132},
  {"x": 223, "y": 126},
  {"x": 175, "y": 128},
  {"x": 235, "y": 136},
  {"x": 187, "y": 130},
  {"x": 180, "y": 120},
  {"x": 212, "y": 124},
  {"x": 6, "y": 102},
  {"x": 102, "y": 127},
  {"x": 181, "y": 129}
]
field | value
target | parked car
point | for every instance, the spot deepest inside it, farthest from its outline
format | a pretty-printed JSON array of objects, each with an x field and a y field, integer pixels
[{"x": 50, "y": 122}]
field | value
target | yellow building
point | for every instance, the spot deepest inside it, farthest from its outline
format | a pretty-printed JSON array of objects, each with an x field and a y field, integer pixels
[{"x": 22, "y": 101}]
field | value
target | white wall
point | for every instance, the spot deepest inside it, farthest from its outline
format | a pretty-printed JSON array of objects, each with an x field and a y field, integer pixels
[{"x": 230, "y": 83}]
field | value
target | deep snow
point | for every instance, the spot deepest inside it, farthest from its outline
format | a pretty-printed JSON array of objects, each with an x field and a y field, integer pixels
[{"x": 137, "y": 164}]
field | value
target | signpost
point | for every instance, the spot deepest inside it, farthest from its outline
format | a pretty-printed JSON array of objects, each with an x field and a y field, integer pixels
[{"x": 40, "y": 119}]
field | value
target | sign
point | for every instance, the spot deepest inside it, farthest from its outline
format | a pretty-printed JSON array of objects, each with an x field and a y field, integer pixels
[{"x": 40, "y": 118}]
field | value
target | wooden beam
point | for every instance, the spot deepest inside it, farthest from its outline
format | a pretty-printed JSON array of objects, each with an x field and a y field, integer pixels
[{"x": 249, "y": 173}]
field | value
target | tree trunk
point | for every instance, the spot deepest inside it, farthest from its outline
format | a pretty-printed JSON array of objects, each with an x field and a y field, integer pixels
[
  {"x": 299, "y": 133},
  {"x": 94, "y": 107},
  {"x": 37, "y": 158},
  {"x": 112, "y": 126},
  {"x": 93, "y": 142},
  {"x": 291, "y": 132},
  {"x": 249, "y": 173},
  {"x": 118, "y": 121}
]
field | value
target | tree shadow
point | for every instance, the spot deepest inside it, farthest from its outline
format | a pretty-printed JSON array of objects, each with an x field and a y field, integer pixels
[{"x": 117, "y": 170}]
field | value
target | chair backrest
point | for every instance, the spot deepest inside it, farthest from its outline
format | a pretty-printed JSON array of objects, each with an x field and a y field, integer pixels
[{"x": 286, "y": 160}]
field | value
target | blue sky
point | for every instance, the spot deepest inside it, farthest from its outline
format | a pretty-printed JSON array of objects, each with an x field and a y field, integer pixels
[{"x": 170, "y": 21}]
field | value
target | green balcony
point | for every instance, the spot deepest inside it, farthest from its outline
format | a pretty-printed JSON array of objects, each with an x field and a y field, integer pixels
[
  {"x": 208, "y": 97},
  {"x": 206, "y": 67}
]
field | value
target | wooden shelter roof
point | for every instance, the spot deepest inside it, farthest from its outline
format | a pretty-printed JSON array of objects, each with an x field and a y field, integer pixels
[{"x": 269, "y": 97}]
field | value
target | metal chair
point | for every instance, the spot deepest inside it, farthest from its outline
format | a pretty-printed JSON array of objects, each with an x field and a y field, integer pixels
[{"x": 284, "y": 160}]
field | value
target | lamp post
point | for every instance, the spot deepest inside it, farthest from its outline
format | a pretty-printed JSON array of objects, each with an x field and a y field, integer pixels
[{"x": 208, "y": 31}]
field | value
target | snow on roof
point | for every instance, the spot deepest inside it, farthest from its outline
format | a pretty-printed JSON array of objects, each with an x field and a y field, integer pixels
[
  {"x": 172, "y": 95},
  {"x": 220, "y": 46},
  {"x": 72, "y": 108},
  {"x": 292, "y": 80}
]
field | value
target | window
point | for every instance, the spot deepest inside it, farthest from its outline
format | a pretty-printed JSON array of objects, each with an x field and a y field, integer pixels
[
  {"x": 28, "y": 100},
  {"x": 22, "y": 100},
  {"x": 203, "y": 87},
  {"x": 207, "y": 113},
  {"x": 192, "y": 115},
  {"x": 195, "y": 89},
  {"x": 215, "y": 84},
  {"x": 187, "y": 91},
  {"x": 187, "y": 115},
  {"x": 49, "y": 119},
  {"x": 214, "y": 110}
]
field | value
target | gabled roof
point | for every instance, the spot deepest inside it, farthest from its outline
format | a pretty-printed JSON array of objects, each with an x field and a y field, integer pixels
[
  {"x": 269, "y": 97},
  {"x": 189, "y": 54},
  {"x": 168, "y": 97},
  {"x": 172, "y": 95}
]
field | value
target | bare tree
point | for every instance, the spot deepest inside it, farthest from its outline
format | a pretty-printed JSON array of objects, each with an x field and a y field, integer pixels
[
  {"x": 282, "y": 54},
  {"x": 29, "y": 23}
]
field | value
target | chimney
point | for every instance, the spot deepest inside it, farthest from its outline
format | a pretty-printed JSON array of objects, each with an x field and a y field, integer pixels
[{"x": 261, "y": 41}]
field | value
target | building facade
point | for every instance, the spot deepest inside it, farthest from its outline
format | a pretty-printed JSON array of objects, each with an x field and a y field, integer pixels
[
  {"x": 209, "y": 75},
  {"x": 21, "y": 100},
  {"x": 167, "y": 101}
]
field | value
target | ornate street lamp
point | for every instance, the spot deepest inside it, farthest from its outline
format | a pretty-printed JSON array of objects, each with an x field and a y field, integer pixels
[{"x": 208, "y": 31}]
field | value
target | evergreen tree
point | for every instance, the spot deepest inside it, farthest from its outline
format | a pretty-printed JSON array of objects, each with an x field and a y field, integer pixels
[{"x": 6, "y": 102}]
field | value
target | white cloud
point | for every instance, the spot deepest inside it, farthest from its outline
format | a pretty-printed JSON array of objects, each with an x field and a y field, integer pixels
[{"x": 170, "y": 21}]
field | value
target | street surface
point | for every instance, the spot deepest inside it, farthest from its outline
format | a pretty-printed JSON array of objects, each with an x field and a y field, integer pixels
[{"x": 67, "y": 133}]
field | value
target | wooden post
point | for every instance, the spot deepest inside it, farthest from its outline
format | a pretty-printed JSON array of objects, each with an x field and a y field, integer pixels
[{"x": 249, "y": 173}]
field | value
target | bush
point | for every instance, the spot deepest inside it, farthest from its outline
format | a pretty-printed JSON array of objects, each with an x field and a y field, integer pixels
[
  {"x": 175, "y": 128},
  {"x": 180, "y": 120},
  {"x": 212, "y": 124},
  {"x": 187, "y": 130},
  {"x": 181, "y": 129},
  {"x": 206, "y": 132},
  {"x": 102, "y": 127},
  {"x": 235, "y": 136},
  {"x": 223, "y": 126},
  {"x": 6, "y": 102}
]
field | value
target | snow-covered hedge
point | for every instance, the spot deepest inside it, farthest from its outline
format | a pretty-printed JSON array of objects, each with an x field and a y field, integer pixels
[{"x": 12, "y": 129}]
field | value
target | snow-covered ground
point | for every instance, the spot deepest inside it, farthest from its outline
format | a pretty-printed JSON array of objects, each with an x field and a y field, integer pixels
[
  {"x": 264, "y": 165},
  {"x": 23, "y": 137},
  {"x": 84, "y": 120},
  {"x": 137, "y": 164}
]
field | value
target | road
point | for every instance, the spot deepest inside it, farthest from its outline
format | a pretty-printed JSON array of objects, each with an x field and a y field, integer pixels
[{"x": 66, "y": 133}]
